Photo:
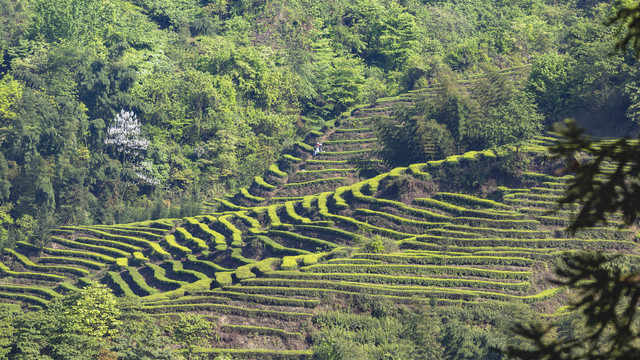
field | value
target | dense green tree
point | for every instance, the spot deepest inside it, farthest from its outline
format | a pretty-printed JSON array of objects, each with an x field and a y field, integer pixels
[{"x": 72, "y": 19}]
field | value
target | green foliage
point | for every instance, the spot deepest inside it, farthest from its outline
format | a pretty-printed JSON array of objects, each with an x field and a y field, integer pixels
[
  {"x": 92, "y": 311},
  {"x": 85, "y": 20},
  {"x": 191, "y": 331}
]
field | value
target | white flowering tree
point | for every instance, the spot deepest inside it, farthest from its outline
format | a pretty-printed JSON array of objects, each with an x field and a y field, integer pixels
[{"x": 126, "y": 137}]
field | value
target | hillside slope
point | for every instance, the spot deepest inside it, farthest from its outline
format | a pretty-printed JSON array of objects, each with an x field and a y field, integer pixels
[{"x": 263, "y": 272}]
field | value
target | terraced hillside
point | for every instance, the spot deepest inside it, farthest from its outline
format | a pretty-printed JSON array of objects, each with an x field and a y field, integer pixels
[
  {"x": 348, "y": 142},
  {"x": 315, "y": 232},
  {"x": 262, "y": 273}
]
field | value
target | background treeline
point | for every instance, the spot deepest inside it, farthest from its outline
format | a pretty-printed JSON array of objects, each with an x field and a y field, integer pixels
[{"x": 213, "y": 89}]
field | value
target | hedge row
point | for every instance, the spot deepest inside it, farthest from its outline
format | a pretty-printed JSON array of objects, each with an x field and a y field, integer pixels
[
  {"x": 527, "y": 175},
  {"x": 377, "y": 109},
  {"x": 354, "y": 130},
  {"x": 259, "y": 330},
  {"x": 505, "y": 190},
  {"x": 340, "y": 203},
  {"x": 346, "y": 152},
  {"x": 540, "y": 204},
  {"x": 190, "y": 299},
  {"x": 565, "y": 222},
  {"x": 120, "y": 287},
  {"x": 468, "y": 200},
  {"x": 236, "y": 254},
  {"x": 275, "y": 170},
  {"x": 461, "y": 211},
  {"x": 555, "y": 185},
  {"x": 166, "y": 224},
  {"x": 332, "y": 180},
  {"x": 614, "y": 219},
  {"x": 174, "y": 247},
  {"x": 417, "y": 172},
  {"x": 179, "y": 272},
  {"x": 309, "y": 173},
  {"x": 229, "y": 309},
  {"x": 139, "y": 258},
  {"x": 184, "y": 235},
  {"x": 351, "y": 141},
  {"x": 417, "y": 247},
  {"x": 333, "y": 231},
  {"x": 292, "y": 262},
  {"x": 4, "y": 269},
  {"x": 497, "y": 224},
  {"x": 25, "y": 299},
  {"x": 152, "y": 233},
  {"x": 218, "y": 239},
  {"x": 250, "y": 221},
  {"x": 507, "y": 233},
  {"x": 303, "y": 239},
  {"x": 535, "y": 243},
  {"x": 73, "y": 261},
  {"x": 159, "y": 276},
  {"x": 223, "y": 278},
  {"x": 324, "y": 211},
  {"x": 425, "y": 214},
  {"x": 245, "y": 193},
  {"x": 525, "y": 254},
  {"x": 272, "y": 213},
  {"x": 400, "y": 220},
  {"x": 268, "y": 300},
  {"x": 313, "y": 288},
  {"x": 289, "y": 206},
  {"x": 137, "y": 284},
  {"x": 291, "y": 158},
  {"x": 325, "y": 162},
  {"x": 417, "y": 270},
  {"x": 547, "y": 191},
  {"x": 244, "y": 272},
  {"x": 155, "y": 247},
  {"x": 236, "y": 235},
  {"x": 131, "y": 240},
  {"x": 307, "y": 202},
  {"x": 600, "y": 233},
  {"x": 160, "y": 231},
  {"x": 289, "y": 263},
  {"x": 534, "y": 197},
  {"x": 28, "y": 264},
  {"x": 354, "y": 261},
  {"x": 108, "y": 244},
  {"x": 404, "y": 280},
  {"x": 228, "y": 204},
  {"x": 447, "y": 233},
  {"x": 437, "y": 259},
  {"x": 304, "y": 147},
  {"x": 280, "y": 199},
  {"x": 265, "y": 266},
  {"x": 208, "y": 266},
  {"x": 399, "y": 294},
  {"x": 278, "y": 249},
  {"x": 43, "y": 292}
]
